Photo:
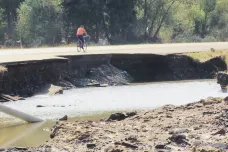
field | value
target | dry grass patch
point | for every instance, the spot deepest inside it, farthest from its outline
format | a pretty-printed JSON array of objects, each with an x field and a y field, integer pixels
[
  {"x": 204, "y": 56},
  {"x": 3, "y": 69}
]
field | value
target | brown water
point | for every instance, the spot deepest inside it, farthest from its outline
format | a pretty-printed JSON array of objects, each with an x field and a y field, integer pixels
[
  {"x": 25, "y": 134},
  {"x": 96, "y": 103},
  {"x": 33, "y": 135}
]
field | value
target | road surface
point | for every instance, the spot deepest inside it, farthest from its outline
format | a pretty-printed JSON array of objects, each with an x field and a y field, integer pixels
[{"x": 17, "y": 55}]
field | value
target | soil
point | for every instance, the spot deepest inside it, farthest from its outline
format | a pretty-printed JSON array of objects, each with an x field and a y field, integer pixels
[
  {"x": 196, "y": 127},
  {"x": 24, "y": 79}
]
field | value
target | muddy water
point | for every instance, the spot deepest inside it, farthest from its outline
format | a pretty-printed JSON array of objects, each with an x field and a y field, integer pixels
[
  {"x": 95, "y": 101},
  {"x": 33, "y": 135}
]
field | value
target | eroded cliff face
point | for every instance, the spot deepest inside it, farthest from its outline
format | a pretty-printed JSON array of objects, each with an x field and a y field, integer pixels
[{"x": 25, "y": 78}]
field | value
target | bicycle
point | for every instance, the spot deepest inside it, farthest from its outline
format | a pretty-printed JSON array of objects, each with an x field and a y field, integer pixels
[{"x": 79, "y": 45}]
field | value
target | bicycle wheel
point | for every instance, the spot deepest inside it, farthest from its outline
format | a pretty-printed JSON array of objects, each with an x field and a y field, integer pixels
[
  {"x": 79, "y": 46},
  {"x": 85, "y": 47}
]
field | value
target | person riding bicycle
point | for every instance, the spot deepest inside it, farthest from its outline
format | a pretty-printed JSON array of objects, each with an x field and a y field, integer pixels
[{"x": 80, "y": 33}]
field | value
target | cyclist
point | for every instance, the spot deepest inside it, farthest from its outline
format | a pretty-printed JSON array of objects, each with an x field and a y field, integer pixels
[{"x": 80, "y": 32}]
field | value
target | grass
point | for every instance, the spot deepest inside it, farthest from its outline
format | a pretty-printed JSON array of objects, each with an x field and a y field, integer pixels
[
  {"x": 204, "y": 56},
  {"x": 3, "y": 69}
]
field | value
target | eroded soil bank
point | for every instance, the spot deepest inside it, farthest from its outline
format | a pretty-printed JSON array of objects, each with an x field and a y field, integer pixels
[
  {"x": 25, "y": 78},
  {"x": 196, "y": 127}
]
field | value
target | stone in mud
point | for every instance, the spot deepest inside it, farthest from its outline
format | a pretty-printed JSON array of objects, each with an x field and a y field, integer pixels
[
  {"x": 131, "y": 139},
  {"x": 84, "y": 138},
  {"x": 220, "y": 132},
  {"x": 131, "y": 114},
  {"x": 21, "y": 148},
  {"x": 120, "y": 116},
  {"x": 40, "y": 106},
  {"x": 162, "y": 146},
  {"x": 179, "y": 139},
  {"x": 116, "y": 116},
  {"x": 127, "y": 145},
  {"x": 54, "y": 132},
  {"x": 226, "y": 98},
  {"x": 222, "y": 78},
  {"x": 91, "y": 146},
  {"x": 63, "y": 118}
]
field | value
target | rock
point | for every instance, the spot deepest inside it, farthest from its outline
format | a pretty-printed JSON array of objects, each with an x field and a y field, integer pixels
[
  {"x": 117, "y": 116},
  {"x": 209, "y": 113},
  {"x": 2, "y": 149},
  {"x": 121, "y": 116},
  {"x": 179, "y": 139},
  {"x": 222, "y": 78},
  {"x": 21, "y": 148},
  {"x": 162, "y": 145},
  {"x": 63, "y": 118},
  {"x": 131, "y": 114},
  {"x": 84, "y": 138},
  {"x": 169, "y": 116},
  {"x": 91, "y": 146},
  {"x": 220, "y": 132},
  {"x": 40, "y": 106},
  {"x": 54, "y": 132},
  {"x": 226, "y": 98},
  {"x": 197, "y": 127},
  {"x": 50, "y": 90},
  {"x": 131, "y": 139},
  {"x": 59, "y": 91},
  {"x": 127, "y": 145}
]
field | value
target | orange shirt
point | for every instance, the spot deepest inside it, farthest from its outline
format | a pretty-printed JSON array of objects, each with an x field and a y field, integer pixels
[{"x": 81, "y": 31}]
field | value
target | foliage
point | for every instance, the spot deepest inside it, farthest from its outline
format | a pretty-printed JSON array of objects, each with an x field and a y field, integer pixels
[
  {"x": 40, "y": 22},
  {"x": 2, "y": 24},
  {"x": 43, "y": 22}
]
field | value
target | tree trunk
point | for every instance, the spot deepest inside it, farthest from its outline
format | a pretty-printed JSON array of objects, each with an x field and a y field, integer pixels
[
  {"x": 9, "y": 17},
  {"x": 162, "y": 21}
]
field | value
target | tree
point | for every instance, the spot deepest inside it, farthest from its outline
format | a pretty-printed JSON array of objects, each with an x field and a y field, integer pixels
[
  {"x": 153, "y": 17},
  {"x": 40, "y": 22},
  {"x": 2, "y": 24},
  {"x": 84, "y": 12},
  {"x": 121, "y": 16},
  {"x": 10, "y": 7}
]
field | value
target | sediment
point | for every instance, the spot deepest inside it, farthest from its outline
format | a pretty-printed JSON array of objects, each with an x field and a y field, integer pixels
[
  {"x": 196, "y": 127},
  {"x": 25, "y": 78}
]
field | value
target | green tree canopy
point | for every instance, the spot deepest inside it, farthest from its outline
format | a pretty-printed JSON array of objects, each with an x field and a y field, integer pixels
[{"x": 40, "y": 22}]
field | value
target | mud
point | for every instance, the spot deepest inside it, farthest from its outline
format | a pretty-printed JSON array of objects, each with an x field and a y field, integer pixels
[
  {"x": 196, "y": 127},
  {"x": 25, "y": 78}
]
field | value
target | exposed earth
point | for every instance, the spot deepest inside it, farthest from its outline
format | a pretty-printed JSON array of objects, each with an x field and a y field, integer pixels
[{"x": 197, "y": 127}]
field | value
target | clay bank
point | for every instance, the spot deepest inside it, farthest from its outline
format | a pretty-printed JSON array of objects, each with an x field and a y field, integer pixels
[{"x": 24, "y": 79}]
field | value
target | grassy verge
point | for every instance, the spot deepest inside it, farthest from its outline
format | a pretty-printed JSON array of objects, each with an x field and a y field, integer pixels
[{"x": 204, "y": 56}]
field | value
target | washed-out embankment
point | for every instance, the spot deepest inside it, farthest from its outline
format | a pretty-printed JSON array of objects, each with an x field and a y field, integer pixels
[{"x": 25, "y": 78}]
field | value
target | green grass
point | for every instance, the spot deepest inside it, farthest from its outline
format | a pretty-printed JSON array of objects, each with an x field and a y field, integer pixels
[{"x": 204, "y": 56}]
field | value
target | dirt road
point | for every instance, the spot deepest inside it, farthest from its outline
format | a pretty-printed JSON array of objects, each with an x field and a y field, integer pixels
[{"x": 16, "y": 55}]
